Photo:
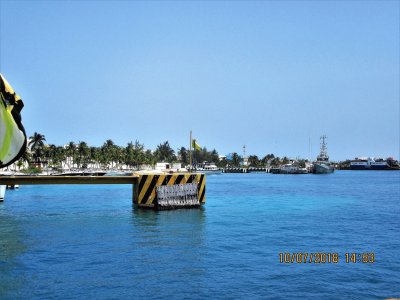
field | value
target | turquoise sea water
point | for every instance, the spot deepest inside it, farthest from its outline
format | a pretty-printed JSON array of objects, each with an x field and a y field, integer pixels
[{"x": 74, "y": 242}]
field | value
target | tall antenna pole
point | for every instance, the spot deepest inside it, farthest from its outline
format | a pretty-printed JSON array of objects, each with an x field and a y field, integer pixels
[
  {"x": 190, "y": 151},
  {"x": 244, "y": 155}
]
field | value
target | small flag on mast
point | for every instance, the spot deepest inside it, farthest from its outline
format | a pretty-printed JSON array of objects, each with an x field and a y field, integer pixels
[
  {"x": 12, "y": 132},
  {"x": 195, "y": 145}
]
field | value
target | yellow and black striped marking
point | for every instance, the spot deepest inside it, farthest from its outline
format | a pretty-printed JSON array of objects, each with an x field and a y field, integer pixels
[{"x": 146, "y": 192}]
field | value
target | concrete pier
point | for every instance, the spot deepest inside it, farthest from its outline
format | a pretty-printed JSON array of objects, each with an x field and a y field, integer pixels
[{"x": 185, "y": 189}]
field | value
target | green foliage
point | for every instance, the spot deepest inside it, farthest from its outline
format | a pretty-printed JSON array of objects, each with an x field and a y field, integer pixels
[
  {"x": 31, "y": 170},
  {"x": 134, "y": 154},
  {"x": 36, "y": 145},
  {"x": 83, "y": 154},
  {"x": 222, "y": 164},
  {"x": 165, "y": 153},
  {"x": 236, "y": 160},
  {"x": 254, "y": 161},
  {"x": 276, "y": 162},
  {"x": 109, "y": 155},
  {"x": 268, "y": 158},
  {"x": 203, "y": 155},
  {"x": 302, "y": 163},
  {"x": 183, "y": 156},
  {"x": 149, "y": 158},
  {"x": 344, "y": 164}
]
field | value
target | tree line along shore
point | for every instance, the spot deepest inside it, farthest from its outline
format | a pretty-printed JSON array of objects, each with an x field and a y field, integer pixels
[{"x": 134, "y": 155}]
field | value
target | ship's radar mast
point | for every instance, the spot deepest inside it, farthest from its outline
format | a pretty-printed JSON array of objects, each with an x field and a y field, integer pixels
[{"x": 323, "y": 155}]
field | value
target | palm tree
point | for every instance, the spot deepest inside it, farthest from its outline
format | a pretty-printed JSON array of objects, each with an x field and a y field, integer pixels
[
  {"x": 214, "y": 157},
  {"x": 276, "y": 161},
  {"x": 128, "y": 154},
  {"x": 83, "y": 154},
  {"x": 164, "y": 152},
  {"x": 149, "y": 157},
  {"x": 253, "y": 161},
  {"x": 183, "y": 156},
  {"x": 26, "y": 157},
  {"x": 71, "y": 151},
  {"x": 118, "y": 156},
  {"x": 236, "y": 159},
  {"x": 108, "y": 153},
  {"x": 268, "y": 158},
  {"x": 139, "y": 154},
  {"x": 134, "y": 154},
  {"x": 51, "y": 154},
  {"x": 36, "y": 145},
  {"x": 94, "y": 156},
  {"x": 59, "y": 156}
]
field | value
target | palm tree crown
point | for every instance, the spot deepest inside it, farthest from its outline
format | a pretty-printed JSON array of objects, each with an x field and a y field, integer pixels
[{"x": 36, "y": 145}]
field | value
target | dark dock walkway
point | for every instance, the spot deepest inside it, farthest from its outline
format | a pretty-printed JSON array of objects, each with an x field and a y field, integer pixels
[{"x": 30, "y": 180}]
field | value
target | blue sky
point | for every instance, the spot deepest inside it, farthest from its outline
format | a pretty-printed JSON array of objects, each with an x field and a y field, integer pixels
[{"x": 266, "y": 74}]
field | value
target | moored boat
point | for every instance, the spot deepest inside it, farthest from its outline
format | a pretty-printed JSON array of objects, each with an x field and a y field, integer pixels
[
  {"x": 2, "y": 192},
  {"x": 322, "y": 165},
  {"x": 80, "y": 173},
  {"x": 289, "y": 169},
  {"x": 373, "y": 164},
  {"x": 208, "y": 169}
]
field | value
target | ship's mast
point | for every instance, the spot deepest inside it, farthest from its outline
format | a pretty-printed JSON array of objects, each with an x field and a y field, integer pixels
[
  {"x": 244, "y": 155},
  {"x": 323, "y": 155}
]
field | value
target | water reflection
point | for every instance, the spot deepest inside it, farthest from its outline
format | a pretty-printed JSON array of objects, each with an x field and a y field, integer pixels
[
  {"x": 11, "y": 246},
  {"x": 169, "y": 224},
  {"x": 171, "y": 247},
  {"x": 151, "y": 217}
]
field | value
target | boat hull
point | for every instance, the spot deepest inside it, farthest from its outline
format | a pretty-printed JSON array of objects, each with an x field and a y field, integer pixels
[
  {"x": 209, "y": 172},
  {"x": 290, "y": 170},
  {"x": 373, "y": 168},
  {"x": 323, "y": 168}
]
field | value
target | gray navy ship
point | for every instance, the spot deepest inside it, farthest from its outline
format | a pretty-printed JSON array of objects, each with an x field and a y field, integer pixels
[{"x": 322, "y": 165}]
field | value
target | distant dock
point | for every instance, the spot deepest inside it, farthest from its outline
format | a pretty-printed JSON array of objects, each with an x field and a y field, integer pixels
[{"x": 244, "y": 170}]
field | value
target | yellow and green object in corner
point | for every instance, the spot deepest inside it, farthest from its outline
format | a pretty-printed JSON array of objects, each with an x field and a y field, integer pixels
[{"x": 12, "y": 132}]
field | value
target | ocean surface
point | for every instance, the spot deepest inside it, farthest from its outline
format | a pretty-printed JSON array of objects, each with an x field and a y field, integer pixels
[{"x": 88, "y": 242}]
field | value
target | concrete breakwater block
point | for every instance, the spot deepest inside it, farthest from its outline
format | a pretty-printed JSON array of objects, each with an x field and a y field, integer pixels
[
  {"x": 169, "y": 191},
  {"x": 177, "y": 196}
]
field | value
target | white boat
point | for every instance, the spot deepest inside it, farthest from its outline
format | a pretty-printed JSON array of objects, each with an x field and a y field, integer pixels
[
  {"x": 87, "y": 172},
  {"x": 208, "y": 169},
  {"x": 292, "y": 169},
  {"x": 12, "y": 186},
  {"x": 322, "y": 165},
  {"x": 2, "y": 192},
  {"x": 368, "y": 163},
  {"x": 169, "y": 168}
]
